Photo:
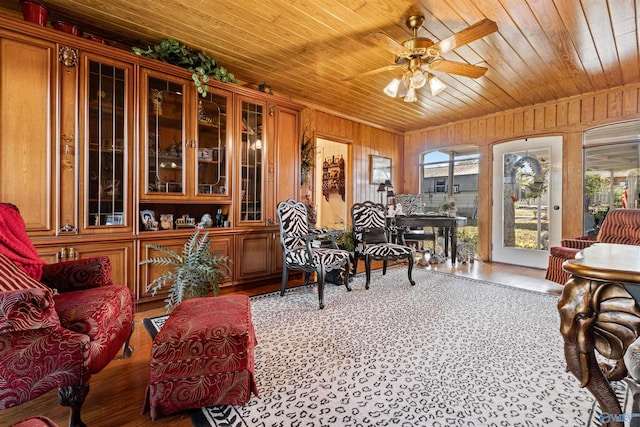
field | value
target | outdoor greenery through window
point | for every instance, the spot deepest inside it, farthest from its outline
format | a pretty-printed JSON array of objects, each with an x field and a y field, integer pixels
[
  {"x": 611, "y": 171},
  {"x": 452, "y": 173}
]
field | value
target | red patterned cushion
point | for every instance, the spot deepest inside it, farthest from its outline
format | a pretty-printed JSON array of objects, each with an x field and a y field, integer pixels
[
  {"x": 77, "y": 275},
  {"x": 12, "y": 278},
  {"x": 39, "y": 360},
  {"x": 27, "y": 309},
  {"x": 102, "y": 314},
  {"x": 36, "y": 422}
]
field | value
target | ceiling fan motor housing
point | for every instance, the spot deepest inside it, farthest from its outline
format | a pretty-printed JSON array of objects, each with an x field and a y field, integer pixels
[{"x": 417, "y": 46}]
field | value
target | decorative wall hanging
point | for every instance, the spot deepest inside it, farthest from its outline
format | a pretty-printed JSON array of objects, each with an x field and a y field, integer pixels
[{"x": 333, "y": 176}]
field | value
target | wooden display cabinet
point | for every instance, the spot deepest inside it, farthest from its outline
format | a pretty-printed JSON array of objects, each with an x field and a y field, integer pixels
[
  {"x": 212, "y": 175},
  {"x": 252, "y": 145},
  {"x": 283, "y": 157},
  {"x": 107, "y": 150},
  {"x": 258, "y": 255},
  {"x": 185, "y": 141},
  {"x": 163, "y": 139},
  {"x": 83, "y": 170},
  {"x": 27, "y": 142}
]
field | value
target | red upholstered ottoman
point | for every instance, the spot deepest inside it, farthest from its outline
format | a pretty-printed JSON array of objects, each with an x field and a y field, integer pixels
[
  {"x": 203, "y": 356},
  {"x": 35, "y": 422}
]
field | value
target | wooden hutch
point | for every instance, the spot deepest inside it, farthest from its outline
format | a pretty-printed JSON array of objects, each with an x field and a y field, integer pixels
[{"x": 93, "y": 135}]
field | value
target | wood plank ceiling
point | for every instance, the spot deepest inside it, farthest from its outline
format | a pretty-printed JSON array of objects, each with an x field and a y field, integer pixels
[{"x": 543, "y": 50}]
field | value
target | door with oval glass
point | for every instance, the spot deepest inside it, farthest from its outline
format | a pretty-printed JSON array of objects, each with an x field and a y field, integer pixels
[{"x": 527, "y": 196}]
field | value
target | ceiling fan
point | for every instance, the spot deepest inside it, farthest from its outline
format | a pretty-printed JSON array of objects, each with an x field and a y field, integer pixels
[{"x": 419, "y": 56}]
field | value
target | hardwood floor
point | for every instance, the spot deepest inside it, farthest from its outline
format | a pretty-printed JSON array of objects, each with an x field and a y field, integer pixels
[{"x": 117, "y": 393}]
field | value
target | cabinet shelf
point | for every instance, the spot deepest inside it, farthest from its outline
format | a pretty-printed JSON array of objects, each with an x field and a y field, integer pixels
[
  {"x": 94, "y": 148},
  {"x": 207, "y": 124},
  {"x": 105, "y": 106}
]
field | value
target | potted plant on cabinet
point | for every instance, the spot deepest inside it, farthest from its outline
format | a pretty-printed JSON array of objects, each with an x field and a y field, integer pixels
[
  {"x": 194, "y": 273},
  {"x": 203, "y": 66}
]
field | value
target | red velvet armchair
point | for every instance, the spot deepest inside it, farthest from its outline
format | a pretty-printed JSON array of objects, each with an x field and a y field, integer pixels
[
  {"x": 59, "y": 323},
  {"x": 619, "y": 226}
]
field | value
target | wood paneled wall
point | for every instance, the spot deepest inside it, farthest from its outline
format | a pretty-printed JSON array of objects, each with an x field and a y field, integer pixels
[
  {"x": 364, "y": 140},
  {"x": 568, "y": 117}
]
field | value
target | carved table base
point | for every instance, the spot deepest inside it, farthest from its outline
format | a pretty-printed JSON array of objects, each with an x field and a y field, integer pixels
[{"x": 597, "y": 315}]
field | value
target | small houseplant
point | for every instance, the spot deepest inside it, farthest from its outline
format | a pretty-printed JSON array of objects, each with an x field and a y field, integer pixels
[
  {"x": 306, "y": 156},
  {"x": 202, "y": 66},
  {"x": 194, "y": 273}
]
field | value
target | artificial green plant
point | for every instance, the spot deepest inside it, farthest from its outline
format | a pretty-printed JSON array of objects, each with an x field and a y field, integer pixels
[
  {"x": 202, "y": 66},
  {"x": 194, "y": 273}
]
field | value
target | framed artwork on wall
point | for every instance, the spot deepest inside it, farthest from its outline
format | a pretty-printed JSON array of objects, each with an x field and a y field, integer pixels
[{"x": 379, "y": 169}]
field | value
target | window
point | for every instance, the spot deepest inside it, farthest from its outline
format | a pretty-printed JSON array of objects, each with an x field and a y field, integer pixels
[
  {"x": 450, "y": 173},
  {"x": 611, "y": 171}
]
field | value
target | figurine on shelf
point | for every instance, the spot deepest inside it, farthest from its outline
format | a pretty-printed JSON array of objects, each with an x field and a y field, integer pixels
[
  {"x": 166, "y": 221},
  {"x": 156, "y": 101},
  {"x": 391, "y": 212},
  {"x": 175, "y": 149},
  {"x": 111, "y": 187},
  {"x": 206, "y": 220},
  {"x": 185, "y": 222}
]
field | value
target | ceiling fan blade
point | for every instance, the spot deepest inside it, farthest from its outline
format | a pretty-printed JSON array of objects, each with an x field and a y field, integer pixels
[
  {"x": 386, "y": 42},
  {"x": 459, "y": 68},
  {"x": 469, "y": 34},
  {"x": 374, "y": 71}
]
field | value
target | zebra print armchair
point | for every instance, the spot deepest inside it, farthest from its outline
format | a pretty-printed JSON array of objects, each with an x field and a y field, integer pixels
[
  {"x": 371, "y": 242},
  {"x": 299, "y": 254}
]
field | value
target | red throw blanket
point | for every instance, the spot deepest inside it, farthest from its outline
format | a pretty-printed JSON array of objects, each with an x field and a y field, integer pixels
[{"x": 15, "y": 243}]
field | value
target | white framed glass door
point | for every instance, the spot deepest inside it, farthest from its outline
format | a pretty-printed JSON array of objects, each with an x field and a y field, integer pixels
[{"x": 527, "y": 200}]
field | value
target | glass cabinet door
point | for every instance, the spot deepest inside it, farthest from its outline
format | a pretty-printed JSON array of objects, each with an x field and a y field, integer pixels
[
  {"x": 108, "y": 149},
  {"x": 251, "y": 161},
  {"x": 212, "y": 170},
  {"x": 165, "y": 136}
]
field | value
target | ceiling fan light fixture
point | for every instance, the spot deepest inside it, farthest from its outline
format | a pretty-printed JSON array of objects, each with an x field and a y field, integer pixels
[
  {"x": 396, "y": 89},
  {"x": 411, "y": 95},
  {"x": 392, "y": 88},
  {"x": 418, "y": 79},
  {"x": 436, "y": 85}
]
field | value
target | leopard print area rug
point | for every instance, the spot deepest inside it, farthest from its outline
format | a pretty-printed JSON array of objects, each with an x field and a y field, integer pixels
[{"x": 449, "y": 351}]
